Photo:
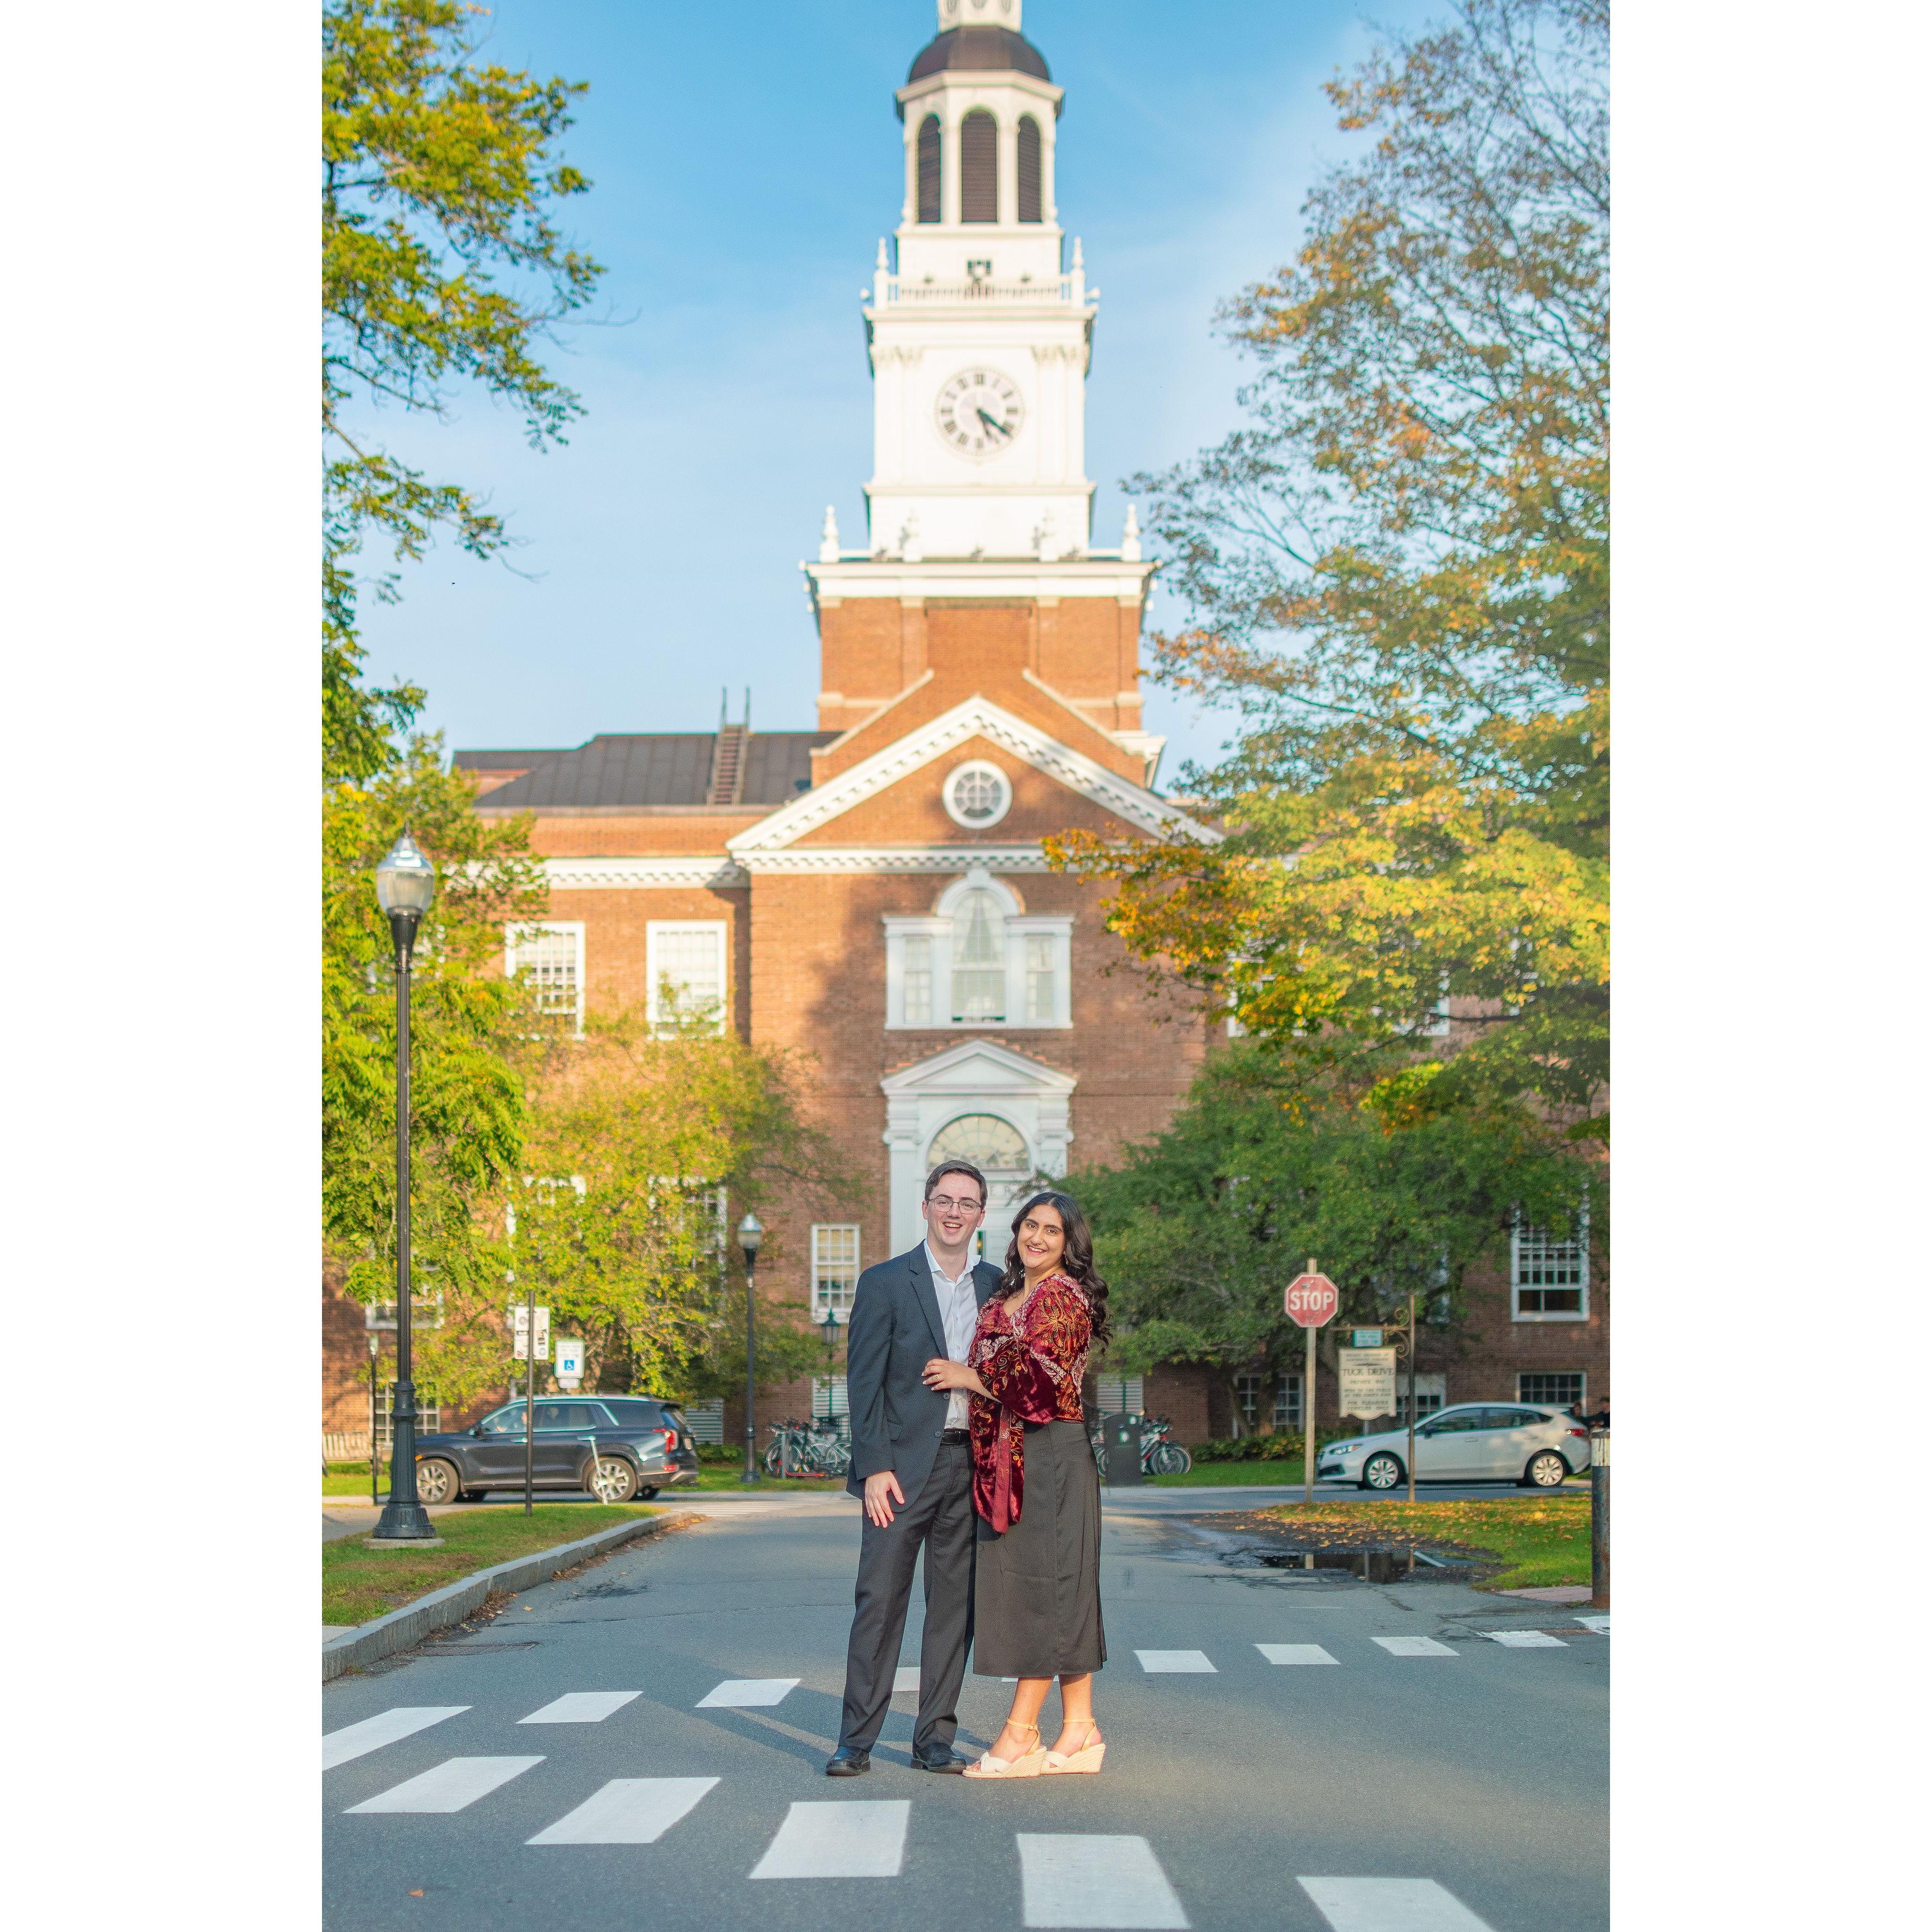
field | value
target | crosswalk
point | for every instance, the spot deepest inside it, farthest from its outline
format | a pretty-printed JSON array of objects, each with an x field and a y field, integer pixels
[{"x": 1105, "y": 1882}]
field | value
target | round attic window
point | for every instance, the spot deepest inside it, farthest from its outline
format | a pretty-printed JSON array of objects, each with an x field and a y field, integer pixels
[{"x": 977, "y": 795}]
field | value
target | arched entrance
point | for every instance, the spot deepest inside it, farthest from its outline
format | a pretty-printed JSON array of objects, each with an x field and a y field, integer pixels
[{"x": 999, "y": 1151}]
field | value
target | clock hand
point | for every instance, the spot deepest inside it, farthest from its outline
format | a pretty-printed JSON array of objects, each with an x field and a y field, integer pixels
[{"x": 992, "y": 423}]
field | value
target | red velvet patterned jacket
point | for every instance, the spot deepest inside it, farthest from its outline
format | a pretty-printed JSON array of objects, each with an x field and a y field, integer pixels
[{"x": 1034, "y": 1370}]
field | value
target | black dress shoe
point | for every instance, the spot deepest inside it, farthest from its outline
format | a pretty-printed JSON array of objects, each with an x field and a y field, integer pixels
[
  {"x": 847, "y": 1762},
  {"x": 944, "y": 1759}
]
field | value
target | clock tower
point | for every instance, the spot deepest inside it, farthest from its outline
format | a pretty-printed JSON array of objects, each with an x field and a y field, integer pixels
[{"x": 979, "y": 329}]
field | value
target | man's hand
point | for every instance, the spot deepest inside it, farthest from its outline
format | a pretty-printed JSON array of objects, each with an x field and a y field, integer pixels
[{"x": 882, "y": 1491}]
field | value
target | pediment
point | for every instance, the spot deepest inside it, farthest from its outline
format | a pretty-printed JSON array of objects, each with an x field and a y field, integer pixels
[
  {"x": 947, "y": 736},
  {"x": 980, "y": 1067}
]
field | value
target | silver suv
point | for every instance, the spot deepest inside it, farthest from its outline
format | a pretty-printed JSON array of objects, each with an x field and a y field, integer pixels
[{"x": 1488, "y": 1441}]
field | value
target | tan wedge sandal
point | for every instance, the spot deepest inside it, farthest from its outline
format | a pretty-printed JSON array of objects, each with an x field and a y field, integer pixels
[
  {"x": 1089, "y": 1757},
  {"x": 1026, "y": 1766}
]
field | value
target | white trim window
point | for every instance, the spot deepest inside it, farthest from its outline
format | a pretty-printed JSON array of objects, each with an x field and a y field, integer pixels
[
  {"x": 1432, "y": 1393},
  {"x": 686, "y": 962},
  {"x": 549, "y": 955},
  {"x": 1284, "y": 1412},
  {"x": 829, "y": 1404},
  {"x": 1120, "y": 1395},
  {"x": 977, "y": 795},
  {"x": 1550, "y": 1279},
  {"x": 834, "y": 1269},
  {"x": 979, "y": 960}
]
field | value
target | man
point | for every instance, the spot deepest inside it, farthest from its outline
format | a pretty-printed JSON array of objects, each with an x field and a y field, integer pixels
[{"x": 913, "y": 1468}]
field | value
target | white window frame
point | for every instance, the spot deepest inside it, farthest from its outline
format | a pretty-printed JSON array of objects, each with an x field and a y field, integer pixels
[
  {"x": 831, "y": 1403},
  {"x": 820, "y": 1267},
  {"x": 1432, "y": 1393},
  {"x": 1121, "y": 1395},
  {"x": 1582, "y": 1387},
  {"x": 1520, "y": 1231},
  {"x": 515, "y": 938},
  {"x": 977, "y": 768},
  {"x": 656, "y": 931},
  {"x": 1017, "y": 927}
]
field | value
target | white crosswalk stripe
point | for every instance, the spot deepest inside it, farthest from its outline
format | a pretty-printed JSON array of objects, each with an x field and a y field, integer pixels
[
  {"x": 1601, "y": 1625},
  {"x": 743, "y": 1693},
  {"x": 905, "y": 1679},
  {"x": 1294, "y": 1653},
  {"x": 450, "y": 1786},
  {"x": 581, "y": 1707},
  {"x": 1187, "y": 1661},
  {"x": 627, "y": 1811},
  {"x": 1526, "y": 1639},
  {"x": 1389, "y": 1905},
  {"x": 1094, "y": 1879},
  {"x": 849, "y": 1838},
  {"x": 1415, "y": 1646},
  {"x": 354, "y": 1740}
]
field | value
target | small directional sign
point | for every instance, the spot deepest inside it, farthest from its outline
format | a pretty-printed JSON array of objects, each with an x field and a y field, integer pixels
[
  {"x": 520, "y": 1332},
  {"x": 1365, "y": 1338}
]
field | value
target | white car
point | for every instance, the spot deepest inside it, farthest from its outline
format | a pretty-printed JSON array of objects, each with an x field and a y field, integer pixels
[{"x": 1515, "y": 1442}]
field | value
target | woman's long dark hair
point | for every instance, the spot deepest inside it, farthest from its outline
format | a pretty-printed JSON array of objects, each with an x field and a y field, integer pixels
[{"x": 1076, "y": 1259}]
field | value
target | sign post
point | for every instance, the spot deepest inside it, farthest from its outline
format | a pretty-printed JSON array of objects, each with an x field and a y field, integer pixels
[
  {"x": 1599, "y": 1519},
  {"x": 526, "y": 1321},
  {"x": 1312, "y": 1299}
]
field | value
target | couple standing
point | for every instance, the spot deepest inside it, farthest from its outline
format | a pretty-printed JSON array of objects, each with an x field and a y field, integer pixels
[{"x": 969, "y": 1441}]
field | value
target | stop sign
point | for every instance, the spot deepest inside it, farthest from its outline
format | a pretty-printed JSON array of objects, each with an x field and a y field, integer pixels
[{"x": 1312, "y": 1300}]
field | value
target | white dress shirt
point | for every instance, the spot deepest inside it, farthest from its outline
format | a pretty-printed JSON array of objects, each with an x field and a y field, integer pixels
[{"x": 958, "y": 1314}]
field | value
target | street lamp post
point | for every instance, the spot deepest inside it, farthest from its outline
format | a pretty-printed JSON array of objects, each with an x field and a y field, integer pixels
[
  {"x": 751, "y": 1232},
  {"x": 405, "y": 885}
]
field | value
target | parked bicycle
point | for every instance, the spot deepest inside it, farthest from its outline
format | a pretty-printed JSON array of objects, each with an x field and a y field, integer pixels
[
  {"x": 807, "y": 1449},
  {"x": 1160, "y": 1454}
]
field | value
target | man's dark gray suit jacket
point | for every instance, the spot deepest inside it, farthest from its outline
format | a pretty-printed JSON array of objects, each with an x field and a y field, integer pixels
[{"x": 895, "y": 1330}]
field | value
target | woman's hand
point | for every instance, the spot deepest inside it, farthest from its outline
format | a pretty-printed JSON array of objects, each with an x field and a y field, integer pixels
[{"x": 943, "y": 1374}]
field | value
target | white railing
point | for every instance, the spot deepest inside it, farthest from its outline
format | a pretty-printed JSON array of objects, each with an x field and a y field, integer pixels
[
  {"x": 345, "y": 1445},
  {"x": 892, "y": 290}
]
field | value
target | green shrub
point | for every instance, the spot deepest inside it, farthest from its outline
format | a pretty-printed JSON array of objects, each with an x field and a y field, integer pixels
[
  {"x": 1276, "y": 1445},
  {"x": 720, "y": 1452}
]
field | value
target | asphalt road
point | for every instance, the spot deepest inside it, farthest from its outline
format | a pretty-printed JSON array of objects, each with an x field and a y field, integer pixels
[{"x": 1460, "y": 1788}]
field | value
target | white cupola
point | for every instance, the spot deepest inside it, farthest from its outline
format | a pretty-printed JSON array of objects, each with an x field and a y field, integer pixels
[{"x": 978, "y": 13}]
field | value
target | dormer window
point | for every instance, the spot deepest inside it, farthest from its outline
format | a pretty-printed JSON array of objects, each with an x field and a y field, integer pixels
[{"x": 980, "y": 959}]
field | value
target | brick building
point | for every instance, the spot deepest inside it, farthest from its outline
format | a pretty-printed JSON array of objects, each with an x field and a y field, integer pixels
[{"x": 873, "y": 891}]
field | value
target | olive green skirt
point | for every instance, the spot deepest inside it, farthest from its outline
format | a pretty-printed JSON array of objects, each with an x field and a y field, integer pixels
[{"x": 1037, "y": 1589}]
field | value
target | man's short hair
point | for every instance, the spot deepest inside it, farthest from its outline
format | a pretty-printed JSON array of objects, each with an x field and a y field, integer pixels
[{"x": 955, "y": 1167}]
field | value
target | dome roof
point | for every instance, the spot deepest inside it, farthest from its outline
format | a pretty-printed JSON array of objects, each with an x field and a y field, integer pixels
[{"x": 980, "y": 48}]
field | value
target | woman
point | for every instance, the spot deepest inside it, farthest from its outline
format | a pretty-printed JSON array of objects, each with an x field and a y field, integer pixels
[{"x": 1036, "y": 1588}]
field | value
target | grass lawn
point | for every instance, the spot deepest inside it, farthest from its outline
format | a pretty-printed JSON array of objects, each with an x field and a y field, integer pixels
[
  {"x": 357, "y": 1584},
  {"x": 1541, "y": 1541},
  {"x": 1243, "y": 1473}
]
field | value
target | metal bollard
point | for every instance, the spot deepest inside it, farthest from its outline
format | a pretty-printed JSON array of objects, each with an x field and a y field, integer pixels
[{"x": 1599, "y": 1519}]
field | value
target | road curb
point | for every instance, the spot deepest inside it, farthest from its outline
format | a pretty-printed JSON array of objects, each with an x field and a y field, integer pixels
[{"x": 403, "y": 1629}]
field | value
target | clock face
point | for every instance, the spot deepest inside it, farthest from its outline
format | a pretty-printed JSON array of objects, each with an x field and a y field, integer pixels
[{"x": 979, "y": 412}]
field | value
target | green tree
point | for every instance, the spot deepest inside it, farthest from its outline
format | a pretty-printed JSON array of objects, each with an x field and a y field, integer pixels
[
  {"x": 1200, "y": 1229},
  {"x": 643, "y": 1146},
  {"x": 1398, "y": 574},
  {"x": 469, "y": 1029},
  {"x": 440, "y": 264}
]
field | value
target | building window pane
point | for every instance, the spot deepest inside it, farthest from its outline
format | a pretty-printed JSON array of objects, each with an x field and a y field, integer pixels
[
  {"x": 835, "y": 1270},
  {"x": 828, "y": 1401},
  {"x": 1564, "y": 1389},
  {"x": 979, "y": 960},
  {"x": 992, "y": 1145},
  {"x": 686, "y": 964},
  {"x": 1042, "y": 996},
  {"x": 707, "y": 1421},
  {"x": 1120, "y": 1395},
  {"x": 1430, "y": 1393},
  {"x": 1288, "y": 1402},
  {"x": 1549, "y": 1277},
  {"x": 550, "y": 960},
  {"x": 429, "y": 1413},
  {"x": 918, "y": 980}
]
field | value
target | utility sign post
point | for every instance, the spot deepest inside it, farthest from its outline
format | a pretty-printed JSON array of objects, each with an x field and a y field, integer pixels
[{"x": 1312, "y": 1300}]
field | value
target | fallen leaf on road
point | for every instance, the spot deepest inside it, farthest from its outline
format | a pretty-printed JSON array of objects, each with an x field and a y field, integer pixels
[{"x": 417, "y": 1893}]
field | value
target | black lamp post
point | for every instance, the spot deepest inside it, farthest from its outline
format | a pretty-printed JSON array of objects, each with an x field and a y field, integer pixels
[
  {"x": 751, "y": 1232},
  {"x": 829, "y": 1328},
  {"x": 405, "y": 885}
]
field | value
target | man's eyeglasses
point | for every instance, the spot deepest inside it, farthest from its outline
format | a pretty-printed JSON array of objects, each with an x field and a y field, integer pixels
[{"x": 944, "y": 1204}]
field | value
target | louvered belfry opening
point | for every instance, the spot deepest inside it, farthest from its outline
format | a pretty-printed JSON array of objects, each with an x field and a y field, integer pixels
[
  {"x": 929, "y": 206},
  {"x": 978, "y": 167},
  {"x": 1029, "y": 169}
]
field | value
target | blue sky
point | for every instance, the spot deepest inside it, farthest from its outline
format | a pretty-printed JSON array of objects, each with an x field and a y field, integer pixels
[{"x": 745, "y": 161}]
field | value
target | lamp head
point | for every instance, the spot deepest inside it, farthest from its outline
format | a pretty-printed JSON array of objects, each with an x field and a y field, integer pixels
[
  {"x": 405, "y": 880},
  {"x": 751, "y": 1233}
]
